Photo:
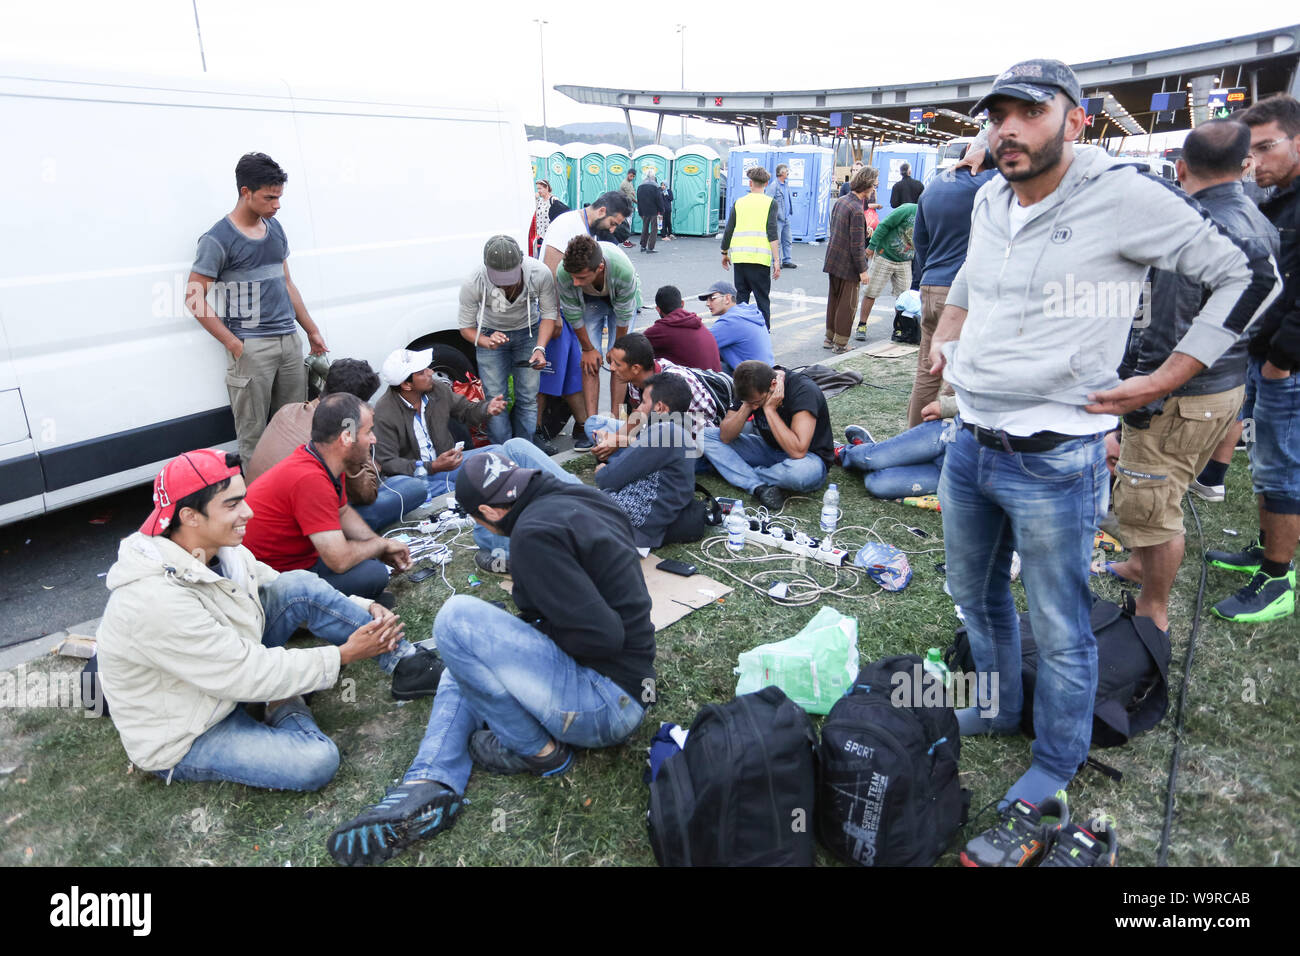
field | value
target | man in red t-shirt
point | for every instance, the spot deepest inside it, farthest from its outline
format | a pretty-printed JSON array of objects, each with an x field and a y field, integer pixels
[{"x": 301, "y": 516}]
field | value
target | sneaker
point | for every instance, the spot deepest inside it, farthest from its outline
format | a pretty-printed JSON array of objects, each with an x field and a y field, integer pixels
[
  {"x": 1247, "y": 561},
  {"x": 490, "y": 754},
  {"x": 1263, "y": 599},
  {"x": 386, "y": 599},
  {"x": 858, "y": 435},
  {"x": 788, "y": 265},
  {"x": 627, "y": 244},
  {"x": 407, "y": 813},
  {"x": 1097, "y": 844},
  {"x": 1021, "y": 836},
  {"x": 581, "y": 440},
  {"x": 1208, "y": 492},
  {"x": 544, "y": 444},
  {"x": 495, "y": 561},
  {"x": 769, "y": 496},
  {"x": 417, "y": 675},
  {"x": 861, "y": 333}
]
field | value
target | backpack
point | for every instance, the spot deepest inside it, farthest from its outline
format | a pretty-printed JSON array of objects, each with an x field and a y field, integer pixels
[
  {"x": 694, "y": 521},
  {"x": 907, "y": 330},
  {"x": 720, "y": 386},
  {"x": 1132, "y": 671},
  {"x": 740, "y": 793},
  {"x": 887, "y": 789}
]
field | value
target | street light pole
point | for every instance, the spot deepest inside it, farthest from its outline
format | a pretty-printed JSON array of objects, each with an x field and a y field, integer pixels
[
  {"x": 681, "y": 29},
  {"x": 541, "y": 47}
]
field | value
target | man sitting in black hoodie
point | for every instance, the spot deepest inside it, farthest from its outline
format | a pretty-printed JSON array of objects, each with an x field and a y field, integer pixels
[{"x": 575, "y": 668}]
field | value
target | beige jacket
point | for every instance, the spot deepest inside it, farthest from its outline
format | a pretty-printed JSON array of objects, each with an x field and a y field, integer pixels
[{"x": 180, "y": 645}]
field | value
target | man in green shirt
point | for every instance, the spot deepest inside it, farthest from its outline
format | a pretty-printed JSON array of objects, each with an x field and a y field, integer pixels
[{"x": 890, "y": 251}]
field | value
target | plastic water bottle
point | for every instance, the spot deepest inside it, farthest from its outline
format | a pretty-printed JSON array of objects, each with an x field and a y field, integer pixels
[
  {"x": 934, "y": 664},
  {"x": 830, "y": 508},
  {"x": 737, "y": 525}
]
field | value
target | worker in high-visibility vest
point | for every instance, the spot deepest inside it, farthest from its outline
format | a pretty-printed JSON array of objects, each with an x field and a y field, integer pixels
[{"x": 750, "y": 241}]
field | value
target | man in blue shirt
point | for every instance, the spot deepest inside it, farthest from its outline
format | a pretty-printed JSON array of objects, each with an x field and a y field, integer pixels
[
  {"x": 740, "y": 331},
  {"x": 780, "y": 193}
]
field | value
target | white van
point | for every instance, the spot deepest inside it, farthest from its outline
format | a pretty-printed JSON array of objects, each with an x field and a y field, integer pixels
[{"x": 109, "y": 181}]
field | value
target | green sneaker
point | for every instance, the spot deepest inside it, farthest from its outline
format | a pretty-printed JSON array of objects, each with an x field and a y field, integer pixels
[
  {"x": 1247, "y": 560},
  {"x": 1096, "y": 844},
  {"x": 1263, "y": 599}
]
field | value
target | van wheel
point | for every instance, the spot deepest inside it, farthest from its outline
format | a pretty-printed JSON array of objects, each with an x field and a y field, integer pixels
[{"x": 448, "y": 360}]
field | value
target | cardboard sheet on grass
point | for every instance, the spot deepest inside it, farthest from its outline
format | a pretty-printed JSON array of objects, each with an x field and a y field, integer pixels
[
  {"x": 814, "y": 668},
  {"x": 891, "y": 350},
  {"x": 672, "y": 596}
]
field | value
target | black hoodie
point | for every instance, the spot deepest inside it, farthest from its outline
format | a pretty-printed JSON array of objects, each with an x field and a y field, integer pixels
[{"x": 577, "y": 572}]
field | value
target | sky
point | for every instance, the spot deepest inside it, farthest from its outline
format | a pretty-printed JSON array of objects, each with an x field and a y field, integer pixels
[{"x": 492, "y": 48}]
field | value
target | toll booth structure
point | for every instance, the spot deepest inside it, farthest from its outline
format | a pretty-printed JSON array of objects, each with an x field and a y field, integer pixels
[
  {"x": 889, "y": 160},
  {"x": 697, "y": 172},
  {"x": 811, "y": 170},
  {"x": 652, "y": 158},
  {"x": 740, "y": 159}
]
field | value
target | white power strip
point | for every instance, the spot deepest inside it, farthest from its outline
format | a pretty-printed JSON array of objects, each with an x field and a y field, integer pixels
[{"x": 835, "y": 557}]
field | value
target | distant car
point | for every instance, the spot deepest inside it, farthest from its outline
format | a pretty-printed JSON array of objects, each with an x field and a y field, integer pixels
[{"x": 950, "y": 154}]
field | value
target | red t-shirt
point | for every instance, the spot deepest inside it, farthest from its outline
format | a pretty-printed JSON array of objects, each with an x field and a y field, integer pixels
[{"x": 296, "y": 498}]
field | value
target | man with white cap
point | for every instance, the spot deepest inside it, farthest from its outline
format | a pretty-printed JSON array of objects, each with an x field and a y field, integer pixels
[
  {"x": 575, "y": 668},
  {"x": 509, "y": 313}
]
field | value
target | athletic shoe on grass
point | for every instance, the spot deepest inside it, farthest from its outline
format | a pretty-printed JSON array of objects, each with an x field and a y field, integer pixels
[
  {"x": 490, "y": 754},
  {"x": 407, "y": 813},
  {"x": 1247, "y": 560},
  {"x": 1022, "y": 835},
  {"x": 1097, "y": 844},
  {"x": 1263, "y": 599}
]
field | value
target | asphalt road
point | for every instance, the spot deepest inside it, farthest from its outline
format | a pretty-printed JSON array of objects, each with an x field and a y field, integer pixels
[{"x": 51, "y": 567}]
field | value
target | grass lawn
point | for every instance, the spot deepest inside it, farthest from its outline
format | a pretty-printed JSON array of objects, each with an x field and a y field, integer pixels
[{"x": 67, "y": 795}]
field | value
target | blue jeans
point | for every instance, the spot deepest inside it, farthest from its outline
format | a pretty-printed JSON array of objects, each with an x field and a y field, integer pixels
[
  {"x": 1273, "y": 407},
  {"x": 749, "y": 461},
  {"x": 508, "y": 675},
  {"x": 1047, "y": 507},
  {"x": 398, "y": 496},
  {"x": 785, "y": 241},
  {"x": 444, "y": 482},
  {"x": 495, "y": 367},
  {"x": 368, "y": 579},
  {"x": 292, "y": 754},
  {"x": 527, "y": 455},
  {"x": 599, "y": 321},
  {"x": 907, "y": 464}
]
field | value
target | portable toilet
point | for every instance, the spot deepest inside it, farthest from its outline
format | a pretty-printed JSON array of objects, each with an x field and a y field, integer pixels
[
  {"x": 655, "y": 159},
  {"x": 740, "y": 159},
  {"x": 696, "y": 172},
  {"x": 539, "y": 154},
  {"x": 591, "y": 174},
  {"x": 573, "y": 153},
  {"x": 617, "y": 162},
  {"x": 889, "y": 161},
  {"x": 811, "y": 171},
  {"x": 553, "y": 166}
]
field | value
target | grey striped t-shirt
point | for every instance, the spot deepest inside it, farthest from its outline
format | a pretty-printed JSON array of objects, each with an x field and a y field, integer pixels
[{"x": 251, "y": 295}]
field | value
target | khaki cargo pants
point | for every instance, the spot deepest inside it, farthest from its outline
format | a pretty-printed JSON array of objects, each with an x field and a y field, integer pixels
[{"x": 269, "y": 374}]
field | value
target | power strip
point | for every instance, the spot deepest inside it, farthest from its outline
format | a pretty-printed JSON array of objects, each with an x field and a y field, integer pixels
[
  {"x": 444, "y": 522},
  {"x": 809, "y": 548}
]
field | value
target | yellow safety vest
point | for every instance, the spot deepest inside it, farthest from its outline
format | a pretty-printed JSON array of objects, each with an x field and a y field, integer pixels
[{"x": 749, "y": 241}]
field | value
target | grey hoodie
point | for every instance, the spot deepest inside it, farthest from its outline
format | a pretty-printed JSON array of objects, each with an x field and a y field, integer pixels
[{"x": 1049, "y": 312}]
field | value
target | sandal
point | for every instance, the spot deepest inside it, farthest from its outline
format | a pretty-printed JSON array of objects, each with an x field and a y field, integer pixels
[{"x": 841, "y": 349}]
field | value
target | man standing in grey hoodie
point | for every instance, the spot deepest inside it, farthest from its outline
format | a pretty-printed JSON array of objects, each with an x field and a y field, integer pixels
[{"x": 1031, "y": 336}]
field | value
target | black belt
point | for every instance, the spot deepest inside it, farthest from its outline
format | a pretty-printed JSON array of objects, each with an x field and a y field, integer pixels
[{"x": 1037, "y": 442}]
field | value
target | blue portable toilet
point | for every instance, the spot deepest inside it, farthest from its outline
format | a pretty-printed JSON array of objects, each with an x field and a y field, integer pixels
[
  {"x": 591, "y": 174},
  {"x": 740, "y": 159},
  {"x": 553, "y": 166},
  {"x": 811, "y": 171},
  {"x": 573, "y": 153},
  {"x": 889, "y": 161},
  {"x": 696, "y": 173},
  {"x": 652, "y": 158},
  {"x": 539, "y": 155},
  {"x": 617, "y": 162}
]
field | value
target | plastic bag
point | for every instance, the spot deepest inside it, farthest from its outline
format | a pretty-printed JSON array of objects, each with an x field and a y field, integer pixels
[{"x": 814, "y": 668}]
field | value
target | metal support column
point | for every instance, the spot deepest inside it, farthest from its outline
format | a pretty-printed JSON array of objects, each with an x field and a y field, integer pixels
[{"x": 631, "y": 140}]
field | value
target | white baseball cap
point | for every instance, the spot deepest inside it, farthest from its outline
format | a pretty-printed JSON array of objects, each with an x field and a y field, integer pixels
[{"x": 403, "y": 363}]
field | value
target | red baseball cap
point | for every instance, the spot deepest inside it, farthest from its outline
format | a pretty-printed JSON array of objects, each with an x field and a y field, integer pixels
[{"x": 182, "y": 476}]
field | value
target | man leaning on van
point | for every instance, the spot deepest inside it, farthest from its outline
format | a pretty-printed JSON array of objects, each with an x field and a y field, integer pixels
[{"x": 243, "y": 259}]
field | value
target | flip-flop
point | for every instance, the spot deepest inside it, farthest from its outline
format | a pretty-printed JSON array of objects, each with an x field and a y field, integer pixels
[{"x": 1108, "y": 570}]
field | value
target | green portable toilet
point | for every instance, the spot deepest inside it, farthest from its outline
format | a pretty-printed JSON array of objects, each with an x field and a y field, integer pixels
[
  {"x": 617, "y": 162},
  {"x": 574, "y": 153},
  {"x": 591, "y": 174},
  {"x": 696, "y": 176},
  {"x": 550, "y": 163},
  {"x": 655, "y": 159}
]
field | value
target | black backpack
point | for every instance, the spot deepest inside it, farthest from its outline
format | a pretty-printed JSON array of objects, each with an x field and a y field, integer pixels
[
  {"x": 887, "y": 790},
  {"x": 1132, "y": 671},
  {"x": 696, "y": 518},
  {"x": 907, "y": 330},
  {"x": 721, "y": 386},
  {"x": 740, "y": 793}
]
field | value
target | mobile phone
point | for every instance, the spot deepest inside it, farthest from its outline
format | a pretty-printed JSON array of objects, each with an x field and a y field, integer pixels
[
  {"x": 421, "y": 574},
  {"x": 676, "y": 567},
  {"x": 459, "y": 446}
]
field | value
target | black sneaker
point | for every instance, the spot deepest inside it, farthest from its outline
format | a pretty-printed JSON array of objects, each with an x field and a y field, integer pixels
[
  {"x": 407, "y": 813},
  {"x": 1263, "y": 599},
  {"x": 544, "y": 444},
  {"x": 581, "y": 440},
  {"x": 495, "y": 561},
  {"x": 386, "y": 599},
  {"x": 417, "y": 675},
  {"x": 1097, "y": 844},
  {"x": 1247, "y": 560},
  {"x": 1021, "y": 836},
  {"x": 490, "y": 754},
  {"x": 770, "y": 497},
  {"x": 788, "y": 265}
]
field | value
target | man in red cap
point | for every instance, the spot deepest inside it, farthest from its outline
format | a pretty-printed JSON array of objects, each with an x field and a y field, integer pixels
[{"x": 195, "y": 625}]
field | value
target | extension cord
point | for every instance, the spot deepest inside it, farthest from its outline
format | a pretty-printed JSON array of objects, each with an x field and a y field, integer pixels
[
  {"x": 444, "y": 523},
  {"x": 835, "y": 557}
]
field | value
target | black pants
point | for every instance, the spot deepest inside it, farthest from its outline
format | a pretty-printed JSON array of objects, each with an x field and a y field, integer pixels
[
  {"x": 757, "y": 278},
  {"x": 649, "y": 231}
]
